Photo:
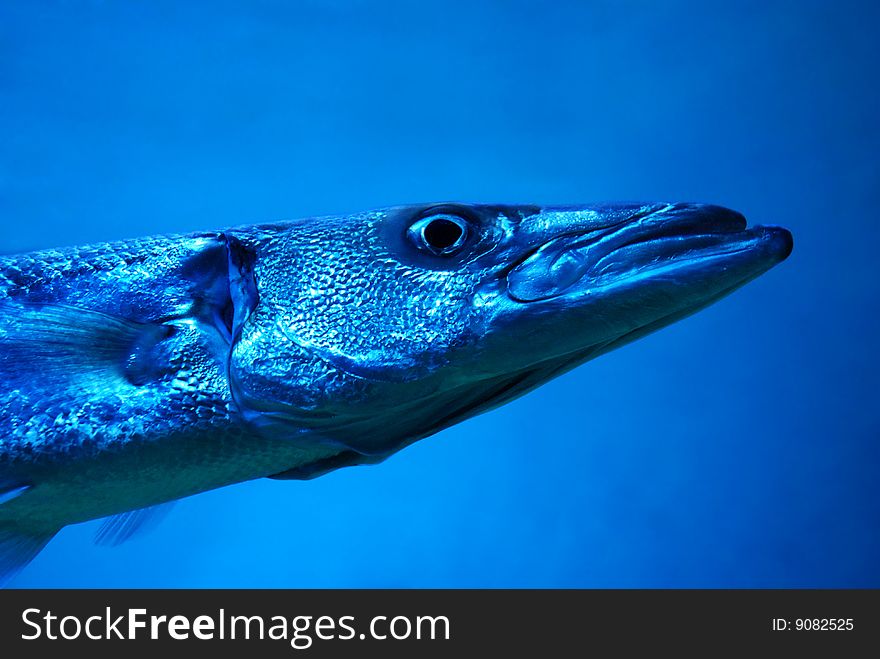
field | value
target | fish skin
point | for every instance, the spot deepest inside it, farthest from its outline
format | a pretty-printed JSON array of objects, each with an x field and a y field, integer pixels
[
  {"x": 139, "y": 372},
  {"x": 171, "y": 436}
]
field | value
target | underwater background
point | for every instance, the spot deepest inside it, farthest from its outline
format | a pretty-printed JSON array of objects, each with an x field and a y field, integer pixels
[{"x": 737, "y": 448}]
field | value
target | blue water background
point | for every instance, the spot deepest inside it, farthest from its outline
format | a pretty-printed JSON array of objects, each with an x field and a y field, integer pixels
[{"x": 740, "y": 447}]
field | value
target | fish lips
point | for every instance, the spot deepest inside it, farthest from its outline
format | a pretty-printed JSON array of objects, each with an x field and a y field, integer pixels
[{"x": 707, "y": 245}]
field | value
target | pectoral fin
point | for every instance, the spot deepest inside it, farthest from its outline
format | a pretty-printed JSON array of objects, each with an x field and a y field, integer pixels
[{"x": 59, "y": 342}]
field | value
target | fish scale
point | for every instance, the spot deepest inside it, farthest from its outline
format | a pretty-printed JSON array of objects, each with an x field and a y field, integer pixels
[{"x": 136, "y": 373}]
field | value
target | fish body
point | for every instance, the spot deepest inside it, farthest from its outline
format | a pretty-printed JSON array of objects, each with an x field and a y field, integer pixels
[{"x": 136, "y": 373}]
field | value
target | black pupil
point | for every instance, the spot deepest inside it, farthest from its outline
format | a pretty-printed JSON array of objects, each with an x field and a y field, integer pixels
[{"x": 442, "y": 234}]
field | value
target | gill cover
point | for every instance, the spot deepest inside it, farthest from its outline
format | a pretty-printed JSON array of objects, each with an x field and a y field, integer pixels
[{"x": 359, "y": 322}]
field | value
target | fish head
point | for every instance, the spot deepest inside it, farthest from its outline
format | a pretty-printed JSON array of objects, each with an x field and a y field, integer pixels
[{"x": 377, "y": 329}]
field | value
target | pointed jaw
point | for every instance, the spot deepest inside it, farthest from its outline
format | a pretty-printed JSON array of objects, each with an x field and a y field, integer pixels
[{"x": 586, "y": 281}]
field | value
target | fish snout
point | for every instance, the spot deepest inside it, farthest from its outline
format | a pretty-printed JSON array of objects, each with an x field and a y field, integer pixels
[{"x": 607, "y": 245}]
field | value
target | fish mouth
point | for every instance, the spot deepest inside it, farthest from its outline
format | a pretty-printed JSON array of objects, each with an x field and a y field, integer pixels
[{"x": 664, "y": 241}]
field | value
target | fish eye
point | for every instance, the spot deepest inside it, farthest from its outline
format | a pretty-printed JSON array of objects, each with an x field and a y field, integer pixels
[{"x": 442, "y": 234}]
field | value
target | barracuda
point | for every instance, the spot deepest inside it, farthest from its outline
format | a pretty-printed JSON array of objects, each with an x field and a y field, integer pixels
[{"x": 136, "y": 373}]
